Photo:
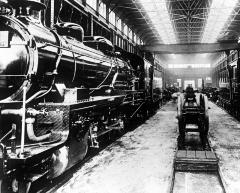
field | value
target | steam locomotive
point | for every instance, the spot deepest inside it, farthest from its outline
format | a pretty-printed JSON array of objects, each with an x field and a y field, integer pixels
[
  {"x": 226, "y": 76},
  {"x": 60, "y": 92}
]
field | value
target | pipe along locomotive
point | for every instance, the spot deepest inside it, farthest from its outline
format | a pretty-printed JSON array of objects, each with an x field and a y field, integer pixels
[{"x": 60, "y": 92}]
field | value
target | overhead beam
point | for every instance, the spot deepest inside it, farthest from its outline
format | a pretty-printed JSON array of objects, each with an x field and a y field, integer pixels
[{"x": 190, "y": 48}]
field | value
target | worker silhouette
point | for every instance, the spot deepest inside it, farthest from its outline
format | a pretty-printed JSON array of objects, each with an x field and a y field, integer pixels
[{"x": 189, "y": 95}]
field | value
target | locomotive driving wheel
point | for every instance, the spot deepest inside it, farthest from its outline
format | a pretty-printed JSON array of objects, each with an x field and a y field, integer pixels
[
  {"x": 122, "y": 125},
  {"x": 204, "y": 131},
  {"x": 181, "y": 122},
  {"x": 14, "y": 185},
  {"x": 181, "y": 126},
  {"x": 4, "y": 186},
  {"x": 82, "y": 140},
  {"x": 204, "y": 122},
  {"x": 23, "y": 187},
  {"x": 146, "y": 113}
]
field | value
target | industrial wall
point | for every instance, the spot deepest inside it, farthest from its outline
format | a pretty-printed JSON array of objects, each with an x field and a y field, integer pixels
[{"x": 191, "y": 74}]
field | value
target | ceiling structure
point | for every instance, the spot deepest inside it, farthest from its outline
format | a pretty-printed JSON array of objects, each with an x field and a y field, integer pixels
[
  {"x": 191, "y": 48},
  {"x": 181, "y": 21}
]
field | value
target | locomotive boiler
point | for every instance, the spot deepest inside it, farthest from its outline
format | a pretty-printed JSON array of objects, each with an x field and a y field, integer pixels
[{"x": 60, "y": 92}]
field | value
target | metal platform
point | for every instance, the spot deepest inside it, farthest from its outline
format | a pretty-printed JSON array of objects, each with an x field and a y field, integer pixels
[{"x": 191, "y": 160}]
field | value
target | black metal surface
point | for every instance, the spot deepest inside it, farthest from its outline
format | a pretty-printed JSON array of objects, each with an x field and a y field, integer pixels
[
  {"x": 40, "y": 59},
  {"x": 45, "y": 186}
]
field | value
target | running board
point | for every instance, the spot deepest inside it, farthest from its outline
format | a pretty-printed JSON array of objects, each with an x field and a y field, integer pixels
[{"x": 190, "y": 160}]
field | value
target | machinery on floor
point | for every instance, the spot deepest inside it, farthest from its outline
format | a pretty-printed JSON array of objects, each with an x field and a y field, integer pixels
[{"x": 192, "y": 109}]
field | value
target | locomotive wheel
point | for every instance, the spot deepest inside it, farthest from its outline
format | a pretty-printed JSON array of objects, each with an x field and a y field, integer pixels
[
  {"x": 83, "y": 145},
  {"x": 77, "y": 148},
  {"x": 24, "y": 187},
  {"x": 181, "y": 124},
  {"x": 179, "y": 106},
  {"x": 4, "y": 186},
  {"x": 122, "y": 124},
  {"x": 203, "y": 137},
  {"x": 146, "y": 113},
  {"x": 204, "y": 132},
  {"x": 202, "y": 102},
  {"x": 206, "y": 118},
  {"x": 181, "y": 127},
  {"x": 206, "y": 123}
]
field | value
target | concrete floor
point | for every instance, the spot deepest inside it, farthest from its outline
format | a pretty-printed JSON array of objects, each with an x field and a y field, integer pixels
[
  {"x": 186, "y": 182},
  {"x": 140, "y": 162},
  {"x": 224, "y": 136}
]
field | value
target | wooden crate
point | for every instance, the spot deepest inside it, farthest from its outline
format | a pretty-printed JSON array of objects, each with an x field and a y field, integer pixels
[{"x": 190, "y": 160}]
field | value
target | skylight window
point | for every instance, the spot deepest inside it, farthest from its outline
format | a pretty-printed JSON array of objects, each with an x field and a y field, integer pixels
[
  {"x": 102, "y": 9},
  {"x": 158, "y": 13},
  {"x": 130, "y": 34},
  {"x": 219, "y": 13},
  {"x": 92, "y": 3},
  {"x": 125, "y": 29},
  {"x": 119, "y": 24},
  {"x": 112, "y": 18}
]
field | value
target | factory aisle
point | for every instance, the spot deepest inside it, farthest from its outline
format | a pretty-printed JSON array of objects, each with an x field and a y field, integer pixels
[
  {"x": 139, "y": 162},
  {"x": 224, "y": 138},
  {"x": 142, "y": 160}
]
